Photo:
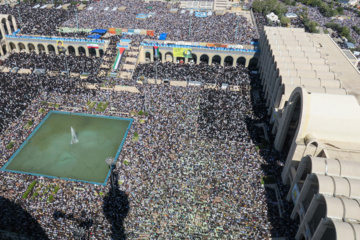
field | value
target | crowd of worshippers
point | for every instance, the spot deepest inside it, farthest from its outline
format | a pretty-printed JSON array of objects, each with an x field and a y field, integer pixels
[
  {"x": 180, "y": 182},
  {"x": 53, "y": 62},
  {"x": 202, "y": 29},
  {"x": 202, "y": 72},
  {"x": 38, "y": 21},
  {"x": 18, "y": 90}
]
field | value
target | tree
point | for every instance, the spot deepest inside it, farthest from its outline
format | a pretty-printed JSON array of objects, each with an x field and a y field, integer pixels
[
  {"x": 258, "y": 6},
  {"x": 340, "y": 10},
  {"x": 284, "y": 21}
]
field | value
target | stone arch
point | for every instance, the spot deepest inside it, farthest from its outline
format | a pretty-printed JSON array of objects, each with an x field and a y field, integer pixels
[
  {"x": 51, "y": 48},
  {"x": 71, "y": 50},
  {"x": 253, "y": 63},
  {"x": 4, "y": 49},
  {"x": 241, "y": 61},
  {"x": 41, "y": 48},
  {"x": 31, "y": 47},
  {"x": 12, "y": 46},
  {"x": 147, "y": 55},
  {"x": 81, "y": 51},
  {"x": 92, "y": 52},
  {"x": 169, "y": 57},
  {"x": 10, "y": 20},
  {"x": 101, "y": 53},
  {"x": 193, "y": 58},
  {"x": 291, "y": 121},
  {"x": 228, "y": 61},
  {"x": 204, "y": 59},
  {"x": 3, "y": 22},
  {"x": 21, "y": 46},
  {"x": 216, "y": 59}
]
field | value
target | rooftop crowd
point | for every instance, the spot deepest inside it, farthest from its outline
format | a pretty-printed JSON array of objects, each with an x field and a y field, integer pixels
[
  {"x": 37, "y": 21},
  {"x": 208, "y": 29},
  {"x": 191, "y": 72}
]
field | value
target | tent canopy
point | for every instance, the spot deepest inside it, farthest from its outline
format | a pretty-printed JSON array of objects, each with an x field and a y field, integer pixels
[
  {"x": 163, "y": 36},
  {"x": 94, "y": 36},
  {"x": 99, "y": 31}
]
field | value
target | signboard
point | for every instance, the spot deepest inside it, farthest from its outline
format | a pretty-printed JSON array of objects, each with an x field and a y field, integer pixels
[
  {"x": 182, "y": 52},
  {"x": 200, "y": 14},
  {"x": 295, "y": 193},
  {"x": 118, "y": 30}
]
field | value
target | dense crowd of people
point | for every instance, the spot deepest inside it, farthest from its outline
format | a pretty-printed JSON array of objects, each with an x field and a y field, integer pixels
[
  {"x": 37, "y": 21},
  {"x": 195, "y": 169},
  {"x": 191, "y": 72},
  {"x": 178, "y": 183},
  {"x": 202, "y": 29},
  {"x": 53, "y": 62}
]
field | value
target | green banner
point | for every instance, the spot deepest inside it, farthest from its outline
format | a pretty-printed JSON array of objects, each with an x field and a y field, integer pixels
[{"x": 118, "y": 30}]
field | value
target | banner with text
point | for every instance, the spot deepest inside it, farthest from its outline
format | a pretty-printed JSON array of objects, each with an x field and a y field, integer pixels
[{"x": 182, "y": 52}]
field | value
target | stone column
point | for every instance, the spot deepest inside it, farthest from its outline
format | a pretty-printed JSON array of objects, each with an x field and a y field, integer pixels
[
  {"x": 14, "y": 23},
  {"x": 8, "y": 27},
  {"x": 87, "y": 52}
]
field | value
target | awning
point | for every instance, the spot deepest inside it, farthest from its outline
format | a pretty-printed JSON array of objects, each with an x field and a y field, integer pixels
[
  {"x": 163, "y": 36},
  {"x": 94, "y": 36},
  {"x": 99, "y": 31}
]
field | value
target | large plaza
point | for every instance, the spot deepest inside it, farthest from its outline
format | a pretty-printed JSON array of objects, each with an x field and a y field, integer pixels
[{"x": 172, "y": 120}]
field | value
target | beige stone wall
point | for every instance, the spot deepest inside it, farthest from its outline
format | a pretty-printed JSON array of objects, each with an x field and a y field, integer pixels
[
  {"x": 51, "y": 45},
  {"x": 166, "y": 53}
]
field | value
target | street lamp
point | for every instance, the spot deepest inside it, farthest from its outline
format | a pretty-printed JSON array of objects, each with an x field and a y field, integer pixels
[
  {"x": 77, "y": 23},
  {"x": 20, "y": 21},
  {"x": 62, "y": 49},
  {"x": 79, "y": 233},
  {"x": 110, "y": 161}
]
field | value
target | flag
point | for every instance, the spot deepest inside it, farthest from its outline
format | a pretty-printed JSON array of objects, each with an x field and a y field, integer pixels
[
  {"x": 156, "y": 52},
  {"x": 90, "y": 45}
]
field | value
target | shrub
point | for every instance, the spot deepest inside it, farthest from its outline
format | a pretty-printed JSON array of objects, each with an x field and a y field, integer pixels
[
  {"x": 104, "y": 106},
  {"x": 29, "y": 189},
  {"x": 51, "y": 197},
  {"x": 146, "y": 114},
  {"x": 136, "y": 134},
  {"x": 10, "y": 145},
  {"x": 56, "y": 189},
  {"x": 84, "y": 2},
  {"x": 126, "y": 162},
  {"x": 99, "y": 107},
  {"x": 44, "y": 103},
  {"x": 31, "y": 122},
  {"x": 141, "y": 113},
  {"x": 41, "y": 110}
]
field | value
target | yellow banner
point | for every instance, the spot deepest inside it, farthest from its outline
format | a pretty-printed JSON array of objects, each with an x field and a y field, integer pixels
[{"x": 182, "y": 52}]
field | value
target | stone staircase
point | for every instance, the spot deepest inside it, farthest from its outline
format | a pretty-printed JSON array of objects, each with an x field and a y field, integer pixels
[{"x": 221, "y": 5}]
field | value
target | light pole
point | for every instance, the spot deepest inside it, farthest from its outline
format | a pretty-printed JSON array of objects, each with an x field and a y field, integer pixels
[
  {"x": 77, "y": 23},
  {"x": 110, "y": 161},
  {"x": 19, "y": 16},
  {"x": 190, "y": 26},
  {"x": 62, "y": 49},
  {"x": 237, "y": 26},
  {"x": 156, "y": 63}
]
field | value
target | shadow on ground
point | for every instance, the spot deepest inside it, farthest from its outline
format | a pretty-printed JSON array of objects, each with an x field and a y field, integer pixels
[
  {"x": 17, "y": 223},
  {"x": 116, "y": 208},
  {"x": 273, "y": 165}
]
